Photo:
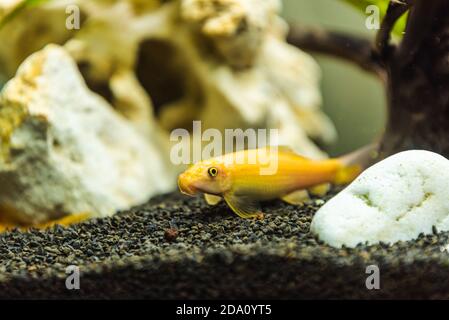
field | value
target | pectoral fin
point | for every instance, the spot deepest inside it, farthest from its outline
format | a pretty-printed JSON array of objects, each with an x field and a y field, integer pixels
[
  {"x": 212, "y": 199},
  {"x": 244, "y": 207},
  {"x": 320, "y": 190},
  {"x": 297, "y": 197}
]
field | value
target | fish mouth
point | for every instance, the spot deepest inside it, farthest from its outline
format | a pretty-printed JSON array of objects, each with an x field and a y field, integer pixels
[{"x": 185, "y": 187}]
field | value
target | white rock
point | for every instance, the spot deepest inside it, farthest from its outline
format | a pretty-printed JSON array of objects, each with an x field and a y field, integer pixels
[
  {"x": 226, "y": 63},
  {"x": 394, "y": 200},
  {"x": 161, "y": 65},
  {"x": 64, "y": 150}
]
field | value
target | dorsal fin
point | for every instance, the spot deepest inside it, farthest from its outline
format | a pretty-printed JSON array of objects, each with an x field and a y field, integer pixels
[{"x": 288, "y": 150}]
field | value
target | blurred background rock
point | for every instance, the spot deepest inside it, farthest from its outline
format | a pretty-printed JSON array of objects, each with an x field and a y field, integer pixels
[
  {"x": 353, "y": 99},
  {"x": 158, "y": 73},
  {"x": 157, "y": 66}
]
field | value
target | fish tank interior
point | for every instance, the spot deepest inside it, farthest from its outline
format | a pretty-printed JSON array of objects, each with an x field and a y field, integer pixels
[{"x": 224, "y": 149}]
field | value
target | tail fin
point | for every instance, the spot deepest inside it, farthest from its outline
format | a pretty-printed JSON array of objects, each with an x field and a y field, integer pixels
[{"x": 355, "y": 162}]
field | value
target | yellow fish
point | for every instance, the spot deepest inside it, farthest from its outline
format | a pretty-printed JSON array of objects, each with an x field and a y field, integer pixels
[{"x": 238, "y": 179}]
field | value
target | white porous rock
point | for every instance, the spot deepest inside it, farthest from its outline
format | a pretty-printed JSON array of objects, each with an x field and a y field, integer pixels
[
  {"x": 162, "y": 64},
  {"x": 64, "y": 150},
  {"x": 394, "y": 200}
]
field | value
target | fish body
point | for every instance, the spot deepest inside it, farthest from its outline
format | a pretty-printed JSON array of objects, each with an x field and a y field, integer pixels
[
  {"x": 293, "y": 173},
  {"x": 238, "y": 178}
]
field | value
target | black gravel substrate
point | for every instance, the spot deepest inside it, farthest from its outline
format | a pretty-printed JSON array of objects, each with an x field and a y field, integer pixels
[{"x": 178, "y": 247}]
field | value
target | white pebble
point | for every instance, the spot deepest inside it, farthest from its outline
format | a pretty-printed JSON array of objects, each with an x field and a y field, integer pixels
[{"x": 396, "y": 199}]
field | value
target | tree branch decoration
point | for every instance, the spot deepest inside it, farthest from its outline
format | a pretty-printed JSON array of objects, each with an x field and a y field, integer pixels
[{"x": 415, "y": 70}]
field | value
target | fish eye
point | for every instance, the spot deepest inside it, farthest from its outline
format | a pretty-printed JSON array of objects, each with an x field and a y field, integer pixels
[{"x": 212, "y": 172}]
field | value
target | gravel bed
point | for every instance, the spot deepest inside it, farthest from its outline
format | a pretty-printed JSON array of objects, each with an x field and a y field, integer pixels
[{"x": 179, "y": 247}]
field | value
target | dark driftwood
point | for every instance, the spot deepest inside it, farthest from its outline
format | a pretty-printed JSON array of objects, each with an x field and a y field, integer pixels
[
  {"x": 357, "y": 50},
  {"x": 394, "y": 12},
  {"x": 416, "y": 72}
]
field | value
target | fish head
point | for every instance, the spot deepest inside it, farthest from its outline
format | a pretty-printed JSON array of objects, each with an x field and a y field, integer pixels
[{"x": 210, "y": 176}]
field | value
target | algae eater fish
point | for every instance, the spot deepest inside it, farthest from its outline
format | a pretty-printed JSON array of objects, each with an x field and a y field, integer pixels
[{"x": 243, "y": 187}]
